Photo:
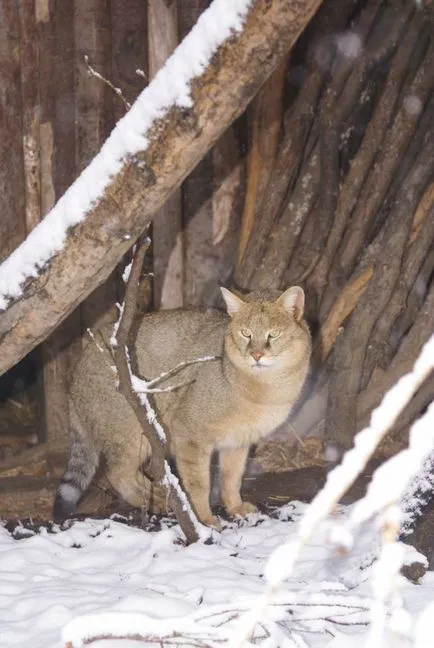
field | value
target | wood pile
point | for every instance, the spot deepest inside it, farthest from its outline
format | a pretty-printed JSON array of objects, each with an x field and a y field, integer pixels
[
  {"x": 326, "y": 182},
  {"x": 340, "y": 199}
]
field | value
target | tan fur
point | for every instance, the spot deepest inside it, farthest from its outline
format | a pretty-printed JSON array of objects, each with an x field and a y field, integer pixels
[{"x": 227, "y": 405}]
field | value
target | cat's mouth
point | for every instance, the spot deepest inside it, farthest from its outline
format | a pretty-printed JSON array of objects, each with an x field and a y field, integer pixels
[{"x": 260, "y": 365}]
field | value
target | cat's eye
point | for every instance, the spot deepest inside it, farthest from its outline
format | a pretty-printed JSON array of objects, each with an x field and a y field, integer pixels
[
  {"x": 246, "y": 333},
  {"x": 272, "y": 335}
]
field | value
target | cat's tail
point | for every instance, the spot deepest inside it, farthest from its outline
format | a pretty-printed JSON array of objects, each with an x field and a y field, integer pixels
[{"x": 82, "y": 465}]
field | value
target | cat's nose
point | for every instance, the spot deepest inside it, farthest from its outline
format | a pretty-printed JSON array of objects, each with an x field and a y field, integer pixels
[{"x": 257, "y": 355}]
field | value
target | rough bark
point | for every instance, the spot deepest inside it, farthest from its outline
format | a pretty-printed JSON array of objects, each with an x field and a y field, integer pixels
[
  {"x": 182, "y": 138},
  {"x": 57, "y": 134},
  {"x": 351, "y": 347},
  {"x": 167, "y": 238},
  {"x": 265, "y": 117},
  {"x": 94, "y": 118},
  {"x": 12, "y": 187},
  {"x": 296, "y": 130}
]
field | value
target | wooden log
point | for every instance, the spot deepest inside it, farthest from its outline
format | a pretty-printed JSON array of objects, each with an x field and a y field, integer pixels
[
  {"x": 302, "y": 484},
  {"x": 57, "y": 141},
  {"x": 18, "y": 439},
  {"x": 342, "y": 202},
  {"x": 167, "y": 235},
  {"x": 297, "y": 126},
  {"x": 342, "y": 308},
  {"x": 31, "y": 114},
  {"x": 379, "y": 352},
  {"x": 31, "y": 139},
  {"x": 354, "y": 288},
  {"x": 338, "y": 106},
  {"x": 201, "y": 264},
  {"x": 227, "y": 202},
  {"x": 415, "y": 302},
  {"x": 351, "y": 346},
  {"x": 94, "y": 118},
  {"x": 295, "y": 244},
  {"x": 220, "y": 93},
  {"x": 285, "y": 236},
  {"x": 382, "y": 380},
  {"x": 129, "y": 50},
  {"x": 12, "y": 187},
  {"x": 265, "y": 115},
  {"x": 396, "y": 141}
]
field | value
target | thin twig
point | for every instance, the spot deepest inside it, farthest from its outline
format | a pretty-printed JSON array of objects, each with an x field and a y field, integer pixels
[
  {"x": 92, "y": 72},
  {"x": 178, "y": 367}
]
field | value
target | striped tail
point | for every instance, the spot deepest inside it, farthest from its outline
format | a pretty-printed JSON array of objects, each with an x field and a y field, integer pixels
[{"x": 81, "y": 467}]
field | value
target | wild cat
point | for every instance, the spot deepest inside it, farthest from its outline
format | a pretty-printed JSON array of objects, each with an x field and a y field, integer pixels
[{"x": 263, "y": 348}]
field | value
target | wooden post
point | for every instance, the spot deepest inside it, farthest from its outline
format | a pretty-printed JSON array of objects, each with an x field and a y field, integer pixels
[
  {"x": 57, "y": 166},
  {"x": 265, "y": 123},
  {"x": 212, "y": 198},
  {"x": 167, "y": 236},
  {"x": 199, "y": 262},
  {"x": 93, "y": 121},
  {"x": 12, "y": 190}
]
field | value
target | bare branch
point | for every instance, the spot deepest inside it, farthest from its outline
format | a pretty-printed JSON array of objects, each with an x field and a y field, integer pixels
[
  {"x": 159, "y": 470},
  {"x": 97, "y": 75}
]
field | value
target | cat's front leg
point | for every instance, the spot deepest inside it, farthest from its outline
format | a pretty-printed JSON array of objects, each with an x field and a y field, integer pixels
[
  {"x": 232, "y": 463},
  {"x": 193, "y": 463}
]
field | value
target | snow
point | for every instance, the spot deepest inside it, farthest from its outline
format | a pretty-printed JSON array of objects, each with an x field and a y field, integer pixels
[
  {"x": 101, "y": 576},
  {"x": 170, "y": 87},
  {"x": 349, "y": 44},
  {"x": 308, "y": 576}
]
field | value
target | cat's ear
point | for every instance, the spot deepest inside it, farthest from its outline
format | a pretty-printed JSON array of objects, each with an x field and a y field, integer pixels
[
  {"x": 292, "y": 301},
  {"x": 233, "y": 303}
]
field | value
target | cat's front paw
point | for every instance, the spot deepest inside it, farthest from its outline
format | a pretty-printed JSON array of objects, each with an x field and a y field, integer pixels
[
  {"x": 245, "y": 508},
  {"x": 212, "y": 521}
]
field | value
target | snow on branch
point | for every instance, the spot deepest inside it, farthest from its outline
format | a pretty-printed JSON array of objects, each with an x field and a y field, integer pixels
[
  {"x": 281, "y": 563},
  {"x": 205, "y": 85},
  {"x": 170, "y": 87},
  {"x": 342, "y": 477},
  {"x": 213, "y": 625},
  {"x": 158, "y": 469},
  {"x": 391, "y": 479}
]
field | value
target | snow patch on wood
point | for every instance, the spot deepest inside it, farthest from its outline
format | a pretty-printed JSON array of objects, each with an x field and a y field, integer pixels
[{"x": 170, "y": 87}]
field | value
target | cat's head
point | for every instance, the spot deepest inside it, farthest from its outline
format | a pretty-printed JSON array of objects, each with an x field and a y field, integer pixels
[{"x": 267, "y": 334}]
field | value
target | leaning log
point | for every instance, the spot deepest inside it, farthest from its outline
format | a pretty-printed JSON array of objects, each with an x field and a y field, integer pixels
[{"x": 176, "y": 141}]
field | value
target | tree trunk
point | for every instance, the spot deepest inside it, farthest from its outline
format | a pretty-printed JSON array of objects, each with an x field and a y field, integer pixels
[{"x": 176, "y": 143}]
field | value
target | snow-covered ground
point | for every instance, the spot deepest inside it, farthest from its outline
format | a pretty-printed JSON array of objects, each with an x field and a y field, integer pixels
[{"x": 136, "y": 582}]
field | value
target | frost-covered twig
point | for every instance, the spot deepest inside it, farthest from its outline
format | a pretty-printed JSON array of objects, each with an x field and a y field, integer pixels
[
  {"x": 392, "y": 478},
  {"x": 386, "y": 489},
  {"x": 213, "y": 625},
  {"x": 186, "y": 517},
  {"x": 92, "y": 72},
  {"x": 93, "y": 338},
  {"x": 157, "y": 440},
  {"x": 178, "y": 367},
  {"x": 282, "y": 561},
  {"x": 386, "y": 574},
  {"x": 149, "y": 386},
  {"x": 353, "y": 462}
]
